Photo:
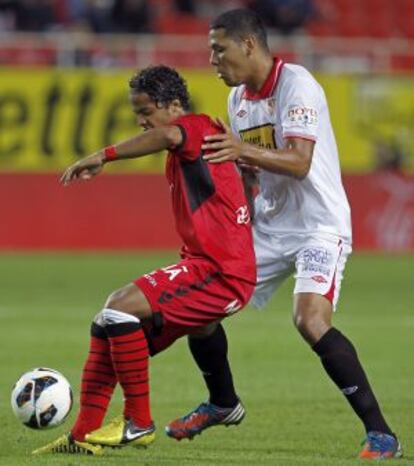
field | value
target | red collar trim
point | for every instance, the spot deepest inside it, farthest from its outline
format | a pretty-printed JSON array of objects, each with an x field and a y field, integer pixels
[{"x": 269, "y": 85}]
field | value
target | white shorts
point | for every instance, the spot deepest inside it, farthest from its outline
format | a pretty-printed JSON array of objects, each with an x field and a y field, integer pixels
[{"x": 317, "y": 262}]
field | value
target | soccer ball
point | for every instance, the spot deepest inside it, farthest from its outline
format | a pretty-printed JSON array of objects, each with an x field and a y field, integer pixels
[{"x": 41, "y": 398}]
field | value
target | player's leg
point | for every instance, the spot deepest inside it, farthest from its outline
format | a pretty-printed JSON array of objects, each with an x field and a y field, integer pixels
[
  {"x": 212, "y": 360},
  {"x": 209, "y": 349},
  {"x": 118, "y": 352},
  {"x": 121, "y": 319},
  {"x": 185, "y": 296},
  {"x": 189, "y": 296},
  {"x": 123, "y": 313},
  {"x": 312, "y": 317},
  {"x": 97, "y": 385}
]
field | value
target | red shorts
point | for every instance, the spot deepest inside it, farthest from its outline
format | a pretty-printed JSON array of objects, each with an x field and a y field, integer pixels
[{"x": 188, "y": 295}]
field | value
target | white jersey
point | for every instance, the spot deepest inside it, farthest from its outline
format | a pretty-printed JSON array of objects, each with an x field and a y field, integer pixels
[{"x": 292, "y": 103}]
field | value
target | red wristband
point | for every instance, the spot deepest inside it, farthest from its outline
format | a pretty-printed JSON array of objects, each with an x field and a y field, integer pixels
[{"x": 110, "y": 153}]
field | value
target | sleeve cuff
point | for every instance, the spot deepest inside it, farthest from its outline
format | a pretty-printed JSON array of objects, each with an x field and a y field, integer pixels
[
  {"x": 291, "y": 134},
  {"x": 184, "y": 136}
]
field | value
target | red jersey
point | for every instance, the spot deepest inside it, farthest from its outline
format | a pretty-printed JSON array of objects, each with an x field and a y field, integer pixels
[{"x": 209, "y": 204}]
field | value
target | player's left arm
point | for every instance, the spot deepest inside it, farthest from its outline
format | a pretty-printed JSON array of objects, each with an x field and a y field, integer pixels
[
  {"x": 293, "y": 159},
  {"x": 146, "y": 143}
]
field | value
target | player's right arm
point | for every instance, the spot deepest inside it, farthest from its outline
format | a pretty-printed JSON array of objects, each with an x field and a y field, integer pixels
[
  {"x": 148, "y": 142},
  {"x": 300, "y": 96}
]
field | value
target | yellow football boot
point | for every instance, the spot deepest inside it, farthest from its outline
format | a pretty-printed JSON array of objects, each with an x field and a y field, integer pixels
[
  {"x": 66, "y": 444},
  {"x": 121, "y": 432}
]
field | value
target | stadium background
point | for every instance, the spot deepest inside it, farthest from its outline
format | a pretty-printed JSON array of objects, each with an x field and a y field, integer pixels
[{"x": 63, "y": 94}]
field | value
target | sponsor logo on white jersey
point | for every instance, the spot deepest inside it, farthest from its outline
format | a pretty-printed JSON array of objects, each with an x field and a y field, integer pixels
[
  {"x": 262, "y": 136},
  {"x": 303, "y": 115}
]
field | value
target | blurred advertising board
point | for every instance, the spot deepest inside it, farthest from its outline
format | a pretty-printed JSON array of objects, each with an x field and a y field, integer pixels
[
  {"x": 382, "y": 207},
  {"x": 49, "y": 118},
  {"x": 132, "y": 211}
]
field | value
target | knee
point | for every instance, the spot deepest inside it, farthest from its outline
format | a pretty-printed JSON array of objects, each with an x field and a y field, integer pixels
[
  {"x": 117, "y": 300},
  {"x": 311, "y": 323},
  {"x": 130, "y": 300},
  {"x": 304, "y": 320}
]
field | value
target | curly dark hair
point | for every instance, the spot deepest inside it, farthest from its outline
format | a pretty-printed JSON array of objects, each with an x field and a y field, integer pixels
[{"x": 162, "y": 83}]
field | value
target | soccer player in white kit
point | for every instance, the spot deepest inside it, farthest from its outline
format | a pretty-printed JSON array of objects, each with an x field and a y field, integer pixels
[{"x": 280, "y": 128}]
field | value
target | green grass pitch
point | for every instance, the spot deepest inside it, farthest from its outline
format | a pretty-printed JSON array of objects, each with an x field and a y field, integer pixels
[{"x": 295, "y": 416}]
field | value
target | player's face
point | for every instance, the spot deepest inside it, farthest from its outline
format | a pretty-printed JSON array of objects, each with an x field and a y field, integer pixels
[
  {"x": 152, "y": 114},
  {"x": 229, "y": 57}
]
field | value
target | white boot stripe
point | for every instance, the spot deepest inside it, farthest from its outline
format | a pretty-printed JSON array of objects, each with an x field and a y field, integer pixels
[
  {"x": 235, "y": 415},
  {"x": 233, "y": 418}
]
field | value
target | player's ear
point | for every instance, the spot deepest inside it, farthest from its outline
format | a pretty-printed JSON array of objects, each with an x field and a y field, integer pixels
[
  {"x": 249, "y": 44},
  {"x": 175, "y": 107}
]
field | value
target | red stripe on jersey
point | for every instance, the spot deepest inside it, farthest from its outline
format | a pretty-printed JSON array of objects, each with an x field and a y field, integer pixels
[
  {"x": 300, "y": 136},
  {"x": 269, "y": 85}
]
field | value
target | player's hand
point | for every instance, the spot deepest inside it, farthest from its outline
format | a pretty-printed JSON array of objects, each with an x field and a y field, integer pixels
[
  {"x": 84, "y": 169},
  {"x": 225, "y": 146}
]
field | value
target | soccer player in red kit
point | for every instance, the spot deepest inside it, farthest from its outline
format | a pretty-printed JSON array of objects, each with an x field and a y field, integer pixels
[{"x": 214, "y": 279}]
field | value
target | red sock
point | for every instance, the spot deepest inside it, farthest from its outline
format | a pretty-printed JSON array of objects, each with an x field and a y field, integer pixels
[
  {"x": 98, "y": 383},
  {"x": 129, "y": 351}
]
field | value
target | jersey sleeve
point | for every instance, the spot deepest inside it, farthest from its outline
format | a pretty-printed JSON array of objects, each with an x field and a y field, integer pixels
[
  {"x": 193, "y": 130},
  {"x": 300, "y": 104}
]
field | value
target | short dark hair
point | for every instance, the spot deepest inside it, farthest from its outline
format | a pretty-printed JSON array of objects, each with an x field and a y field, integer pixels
[
  {"x": 163, "y": 85},
  {"x": 240, "y": 23}
]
